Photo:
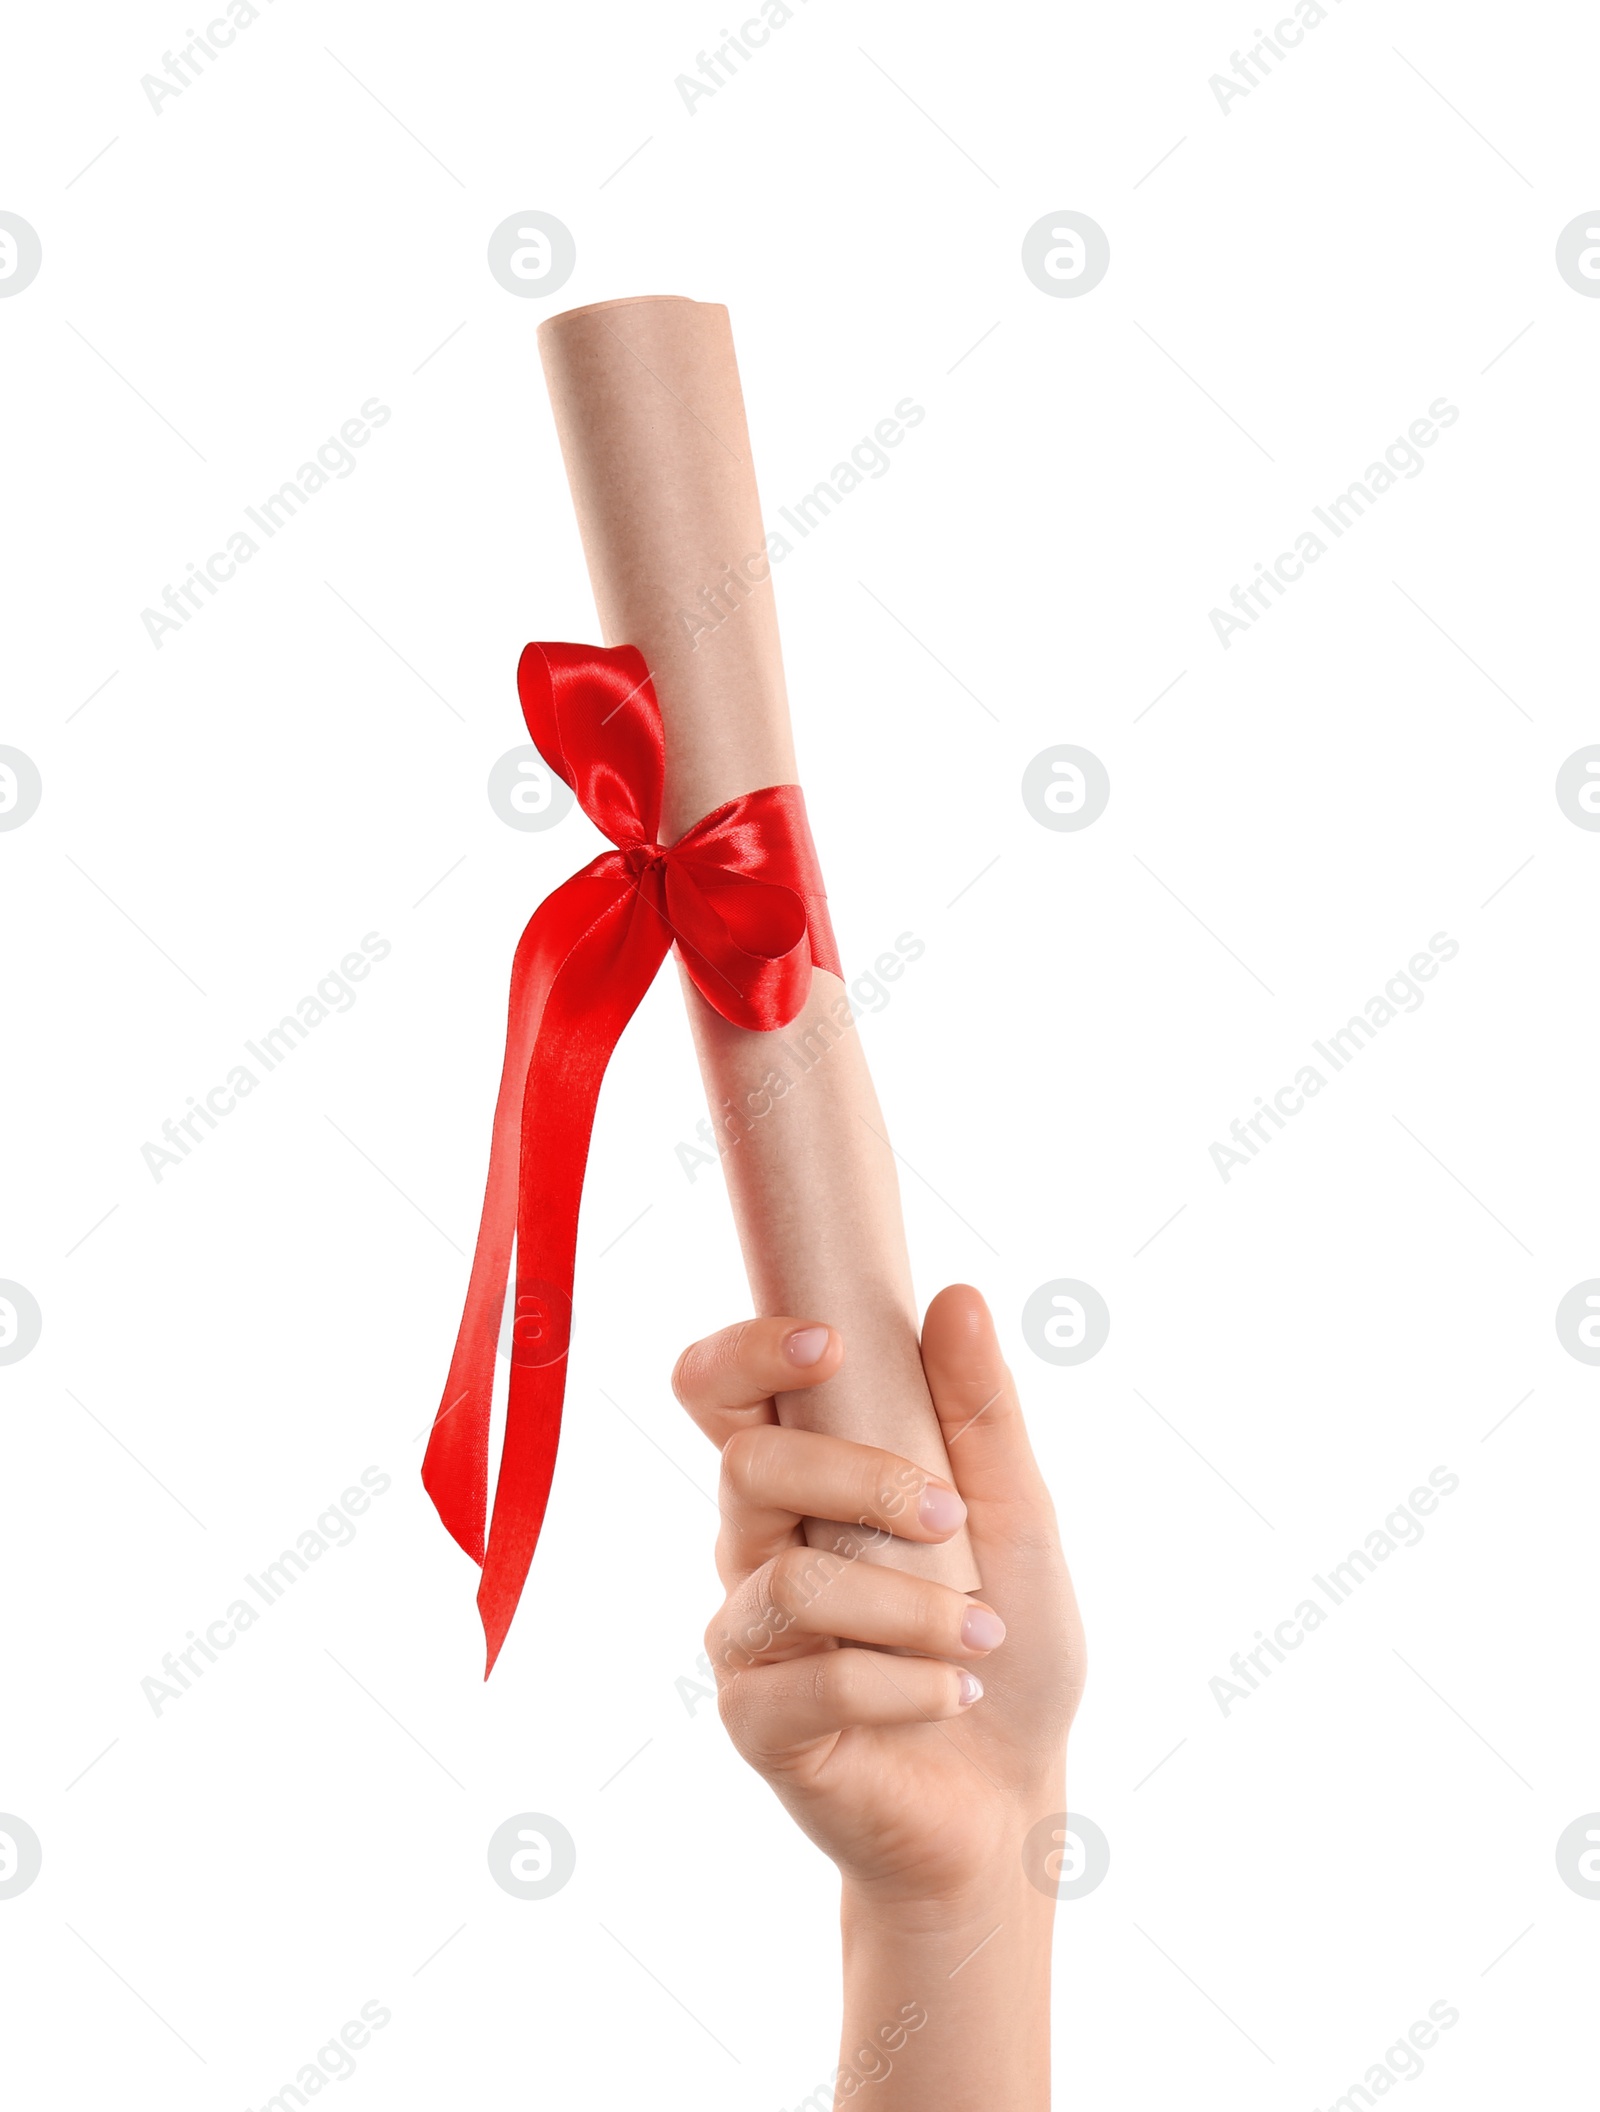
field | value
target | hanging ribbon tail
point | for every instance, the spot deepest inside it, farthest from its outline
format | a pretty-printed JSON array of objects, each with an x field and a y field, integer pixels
[
  {"x": 741, "y": 895},
  {"x": 584, "y": 962},
  {"x": 590, "y": 1001},
  {"x": 455, "y": 1468}
]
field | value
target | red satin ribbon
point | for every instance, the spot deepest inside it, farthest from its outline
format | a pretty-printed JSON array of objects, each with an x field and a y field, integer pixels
[{"x": 741, "y": 895}]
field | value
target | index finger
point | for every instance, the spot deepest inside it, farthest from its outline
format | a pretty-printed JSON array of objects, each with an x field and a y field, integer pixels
[{"x": 727, "y": 1381}]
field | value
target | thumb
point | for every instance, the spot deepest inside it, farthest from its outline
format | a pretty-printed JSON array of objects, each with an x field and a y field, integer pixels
[
  {"x": 1010, "y": 1518},
  {"x": 991, "y": 1460}
]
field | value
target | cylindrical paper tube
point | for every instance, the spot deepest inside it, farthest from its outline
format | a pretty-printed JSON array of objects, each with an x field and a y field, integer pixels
[{"x": 651, "y": 419}]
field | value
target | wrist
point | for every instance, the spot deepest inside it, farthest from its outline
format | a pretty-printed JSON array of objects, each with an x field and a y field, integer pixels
[
  {"x": 868, "y": 1915},
  {"x": 976, "y": 1862},
  {"x": 947, "y": 2000}
]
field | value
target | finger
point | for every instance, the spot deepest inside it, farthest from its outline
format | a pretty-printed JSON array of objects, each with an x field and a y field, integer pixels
[
  {"x": 985, "y": 1435},
  {"x": 807, "y": 1592},
  {"x": 727, "y": 1381},
  {"x": 773, "y": 1477},
  {"x": 776, "y": 1711}
]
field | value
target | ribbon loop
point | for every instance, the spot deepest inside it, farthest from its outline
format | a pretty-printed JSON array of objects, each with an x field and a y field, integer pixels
[{"x": 741, "y": 896}]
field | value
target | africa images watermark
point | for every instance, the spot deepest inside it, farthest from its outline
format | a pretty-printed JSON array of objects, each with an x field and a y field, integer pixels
[
  {"x": 334, "y": 459},
  {"x": 1399, "y": 994},
  {"x": 868, "y": 462},
  {"x": 1402, "y": 1528},
  {"x": 1402, "y": 458},
  {"x": 866, "y": 992},
  {"x": 869, "y": 2064},
  {"x": 333, "y": 994},
  {"x": 335, "y": 2062},
  {"x": 185, "y": 68},
  {"x": 1401, "y": 2062},
  {"x": 720, "y": 67},
  {"x": 335, "y": 1527},
  {"x": 1284, "y": 37}
]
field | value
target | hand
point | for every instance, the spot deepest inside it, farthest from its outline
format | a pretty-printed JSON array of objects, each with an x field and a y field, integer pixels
[{"x": 919, "y": 1774}]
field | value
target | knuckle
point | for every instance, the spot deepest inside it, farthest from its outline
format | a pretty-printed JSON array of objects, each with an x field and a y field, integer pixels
[
  {"x": 892, "y": 1485},
  {"x": 844, "y": 1682},
  {"x": 744, "y": 1707},
  {"x": 733, "y": 1707},
  {"x": 700, "y": 1375},
  {"x": 732, "y": 1648},
  {"x": 755, "y": 1621},
  {"x": 799, "y": 1576},
  {"x": 743, "y": 1644},
  {"x": 715, "y": 1639}
]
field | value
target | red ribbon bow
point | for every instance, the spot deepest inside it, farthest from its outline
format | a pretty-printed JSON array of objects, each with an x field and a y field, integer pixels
[{"x": 741, "y": 894}]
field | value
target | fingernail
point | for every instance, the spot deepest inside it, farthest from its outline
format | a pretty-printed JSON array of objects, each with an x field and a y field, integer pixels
[
  {"x": 941, "y": 1510},
  {"x": 982, "y": 1628},
  {"x": 971, "y": 1689},
  {"x": 806, "y": 1345}
]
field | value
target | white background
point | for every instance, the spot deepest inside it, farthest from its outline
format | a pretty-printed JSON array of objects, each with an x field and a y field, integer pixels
[{"x": 305, "y": 762}]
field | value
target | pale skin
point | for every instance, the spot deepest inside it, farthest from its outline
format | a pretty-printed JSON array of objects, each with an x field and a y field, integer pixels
[{"x": 922, "y": 1791}]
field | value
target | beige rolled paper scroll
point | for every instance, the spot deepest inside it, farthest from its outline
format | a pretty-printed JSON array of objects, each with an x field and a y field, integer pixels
[{"x": 652, "y": 426}]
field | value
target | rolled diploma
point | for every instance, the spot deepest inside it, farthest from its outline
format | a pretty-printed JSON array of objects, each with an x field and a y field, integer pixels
[{"x": 652, "y": 427}]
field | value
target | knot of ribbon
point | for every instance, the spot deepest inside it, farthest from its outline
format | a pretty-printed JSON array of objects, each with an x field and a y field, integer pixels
[{"x": 740, "y": 895}]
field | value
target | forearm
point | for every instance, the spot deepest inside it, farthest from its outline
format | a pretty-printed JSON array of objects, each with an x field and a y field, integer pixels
[{"x": 948, "y": 2010}]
